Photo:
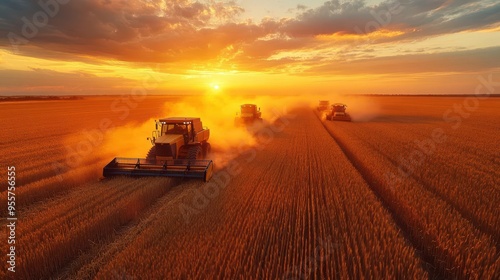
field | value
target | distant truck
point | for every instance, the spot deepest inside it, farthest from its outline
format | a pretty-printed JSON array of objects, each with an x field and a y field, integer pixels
[
  {"x": 323, "y": 105},
  {"x": 249, "y": 114}
]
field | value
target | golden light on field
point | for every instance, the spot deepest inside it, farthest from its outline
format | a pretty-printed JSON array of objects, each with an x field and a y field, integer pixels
[{"x": 403, "y": 184}]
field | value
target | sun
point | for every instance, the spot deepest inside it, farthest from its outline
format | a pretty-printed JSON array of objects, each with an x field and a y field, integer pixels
[{"x": 215, "y": 88}]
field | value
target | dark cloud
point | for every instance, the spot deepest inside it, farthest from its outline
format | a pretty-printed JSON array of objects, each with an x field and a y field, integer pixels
[
  {"x": 429, "y": 17},
  {"x": 331, "y": 17},
  {"x": 127, "y": 30},
  {"x": 205, "y": 31}
]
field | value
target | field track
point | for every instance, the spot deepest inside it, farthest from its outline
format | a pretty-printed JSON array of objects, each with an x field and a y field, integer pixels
[{"x": 312, "y": 200}]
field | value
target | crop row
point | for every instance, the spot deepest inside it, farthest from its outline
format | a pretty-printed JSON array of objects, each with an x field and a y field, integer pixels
[
  {"x": 464, "y": 177},
  {"x": 457, "y": 248}
]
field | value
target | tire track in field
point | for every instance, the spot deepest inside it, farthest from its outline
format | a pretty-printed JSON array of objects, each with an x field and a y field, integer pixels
[{"x": 450, "y": 267}]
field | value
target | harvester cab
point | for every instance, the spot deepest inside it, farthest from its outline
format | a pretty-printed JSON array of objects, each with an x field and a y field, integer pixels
[
  {"x": 179, "y": 138},
  {"x": 249, "y": 114},
  {"x": 338, "y": 113},
  {"x": 179, "y": 150}
]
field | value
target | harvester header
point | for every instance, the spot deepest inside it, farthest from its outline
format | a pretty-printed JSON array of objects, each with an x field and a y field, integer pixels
[{"x": 201, "y": 169}]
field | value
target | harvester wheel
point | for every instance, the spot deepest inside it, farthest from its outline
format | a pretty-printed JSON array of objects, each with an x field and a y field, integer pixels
[
  {"x": 151, "y": 154},
  {"x": 194, "y": 153}
]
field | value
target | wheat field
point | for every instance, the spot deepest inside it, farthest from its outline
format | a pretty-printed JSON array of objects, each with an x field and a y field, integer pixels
[{"x": 402, "y": 192}]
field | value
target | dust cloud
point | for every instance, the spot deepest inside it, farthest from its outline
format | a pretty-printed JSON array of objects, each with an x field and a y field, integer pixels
[
  {"x": 361, "y": 108},
  {"x": 129, "y": 140},
  {"x": 88, "y": 151},
  {"x": 218, "y": 112}
]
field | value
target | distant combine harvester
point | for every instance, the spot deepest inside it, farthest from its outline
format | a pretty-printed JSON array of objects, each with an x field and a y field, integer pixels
[{"x": 249, "y": 114}]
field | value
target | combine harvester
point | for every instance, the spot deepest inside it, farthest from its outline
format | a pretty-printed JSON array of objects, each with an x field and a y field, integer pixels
[
  {"x": 249, "y": 115},
  {"x": 338, "y": 113},
  {"x": 179, "y": 150},
  {"x": 323, "y": 105}
]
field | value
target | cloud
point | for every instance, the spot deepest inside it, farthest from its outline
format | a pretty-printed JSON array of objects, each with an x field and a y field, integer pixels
[
  {"x": 44, "y": 81},
  {"x": 428, "y": 17},
  {"x": 211, "y": 32},
  {"x": 448, "y": 62},
  {"x": 129, "y": 30}
]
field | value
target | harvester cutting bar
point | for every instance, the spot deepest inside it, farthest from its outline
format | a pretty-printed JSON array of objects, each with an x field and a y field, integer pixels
[{"x": 161, "y": 168}]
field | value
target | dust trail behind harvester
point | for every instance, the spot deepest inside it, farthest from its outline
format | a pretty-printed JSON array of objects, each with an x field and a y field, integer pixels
[
  {"x": 361, "y": 108},
  {"x": 218, "y": 112},
  {"x": 87, "y": 152}
]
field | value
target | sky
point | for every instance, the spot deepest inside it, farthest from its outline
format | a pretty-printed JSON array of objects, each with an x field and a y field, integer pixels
[{"x": 75, "y": 47}]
